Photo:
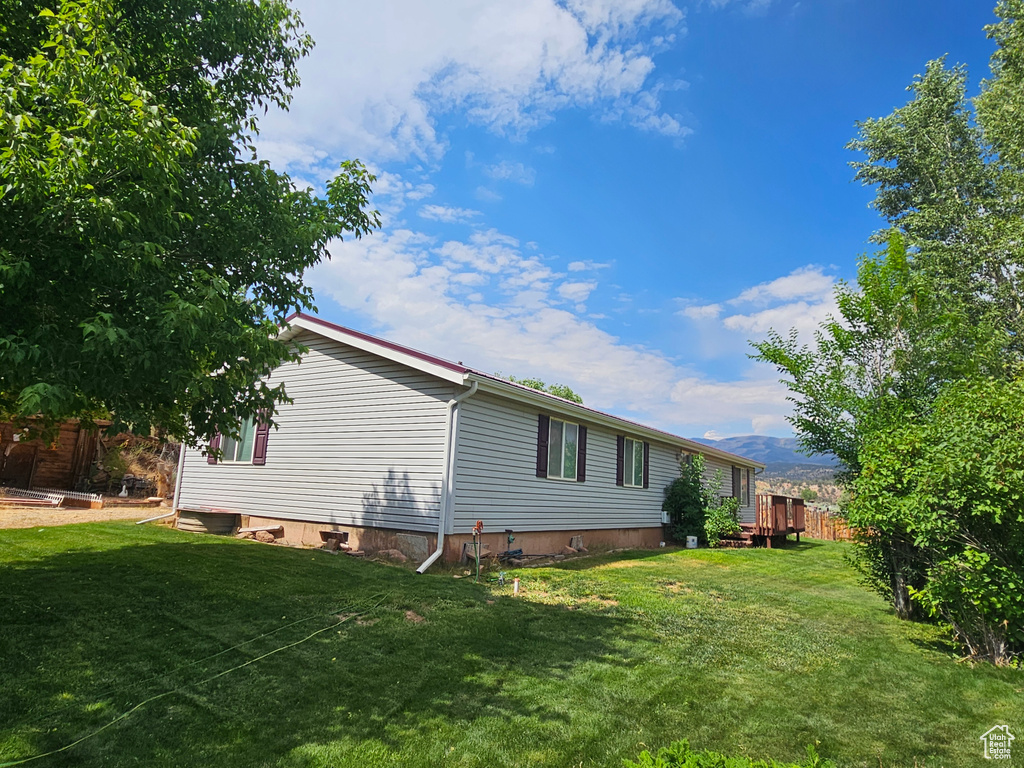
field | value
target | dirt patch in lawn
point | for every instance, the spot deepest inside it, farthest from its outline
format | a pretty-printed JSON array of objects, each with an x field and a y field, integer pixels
[{"x": 35, "y": 517}]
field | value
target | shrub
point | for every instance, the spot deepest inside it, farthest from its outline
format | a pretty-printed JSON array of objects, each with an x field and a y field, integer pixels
[
  {"x": 684, "y": 501},
  {"x": 679, "y": 755},
  {"x": 722, "y": 520},
  {"x": 696, "y": 508}
]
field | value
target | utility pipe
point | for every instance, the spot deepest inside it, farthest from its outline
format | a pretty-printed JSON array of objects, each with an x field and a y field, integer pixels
[
  {"x": 172, "y": 513},
  {"x": 177, "y": 480},
  {"x": 448, "y": 479}
]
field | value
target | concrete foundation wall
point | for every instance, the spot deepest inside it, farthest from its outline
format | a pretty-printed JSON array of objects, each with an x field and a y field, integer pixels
[
  {"x": 551, "y": 542},
  {"x": 418, "y": 546}
]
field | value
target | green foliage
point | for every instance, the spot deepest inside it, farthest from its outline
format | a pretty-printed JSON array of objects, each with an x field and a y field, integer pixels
[
  {"x": 696, "y": 507},
  {"x": 953, "y": 480},
  {"x": 680, "y": 755},
  {"x": 147, "y": 256},
  {"x": 941, "y": 305},
  {"x": 684, "y": 501},
  {"x": 809, "y": 494},
  {"x": 722, "y": 520},
  {"x": 558, "y": 390}
]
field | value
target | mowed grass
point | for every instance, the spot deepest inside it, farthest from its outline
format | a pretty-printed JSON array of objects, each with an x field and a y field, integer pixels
[{"x": 756, "y": 652}]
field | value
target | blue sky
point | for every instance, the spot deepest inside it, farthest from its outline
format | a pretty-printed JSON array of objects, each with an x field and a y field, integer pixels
[{"x": 614, "y": 195}]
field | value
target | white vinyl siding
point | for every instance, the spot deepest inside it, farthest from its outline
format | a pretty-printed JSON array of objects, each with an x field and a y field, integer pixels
[
  {"x": 496, "y": 476},
  {"x": 362, "y": 444}
]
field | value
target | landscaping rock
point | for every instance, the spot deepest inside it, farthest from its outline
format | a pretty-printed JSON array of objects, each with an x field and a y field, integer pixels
[
  {"x": 245, "y": 535},
  {"x": 393, "y": 554},
  {"x": 265, "y": 536}
]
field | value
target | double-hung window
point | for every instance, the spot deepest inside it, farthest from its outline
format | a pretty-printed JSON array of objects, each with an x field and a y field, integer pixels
[
  {"x": 633, "y": 463},
  {"x": 563, "y": 449},
  {"x": 239, "y": 450}
]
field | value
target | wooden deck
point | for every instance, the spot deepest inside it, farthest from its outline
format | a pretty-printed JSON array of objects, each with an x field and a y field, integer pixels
[{"x": 775, "y": 517}]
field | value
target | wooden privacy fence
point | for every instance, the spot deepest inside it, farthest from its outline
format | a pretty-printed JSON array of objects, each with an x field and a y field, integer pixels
[{"x": 823, "y": 524}]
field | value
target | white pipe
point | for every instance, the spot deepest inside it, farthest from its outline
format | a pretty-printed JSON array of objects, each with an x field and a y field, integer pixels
[
  {"x": 158, "y": 517},
  {"x": 448, "y": 479},
  {"x": 177, "y": 480}
]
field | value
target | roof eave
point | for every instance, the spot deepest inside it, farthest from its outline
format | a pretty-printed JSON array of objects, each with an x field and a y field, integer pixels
[{"x": 559, "y": 405}]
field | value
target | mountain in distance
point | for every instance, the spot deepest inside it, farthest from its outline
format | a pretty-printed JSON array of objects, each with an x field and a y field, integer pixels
[
  {"x": 787, "y": 471},
  {"x": 775, "y": 452}
]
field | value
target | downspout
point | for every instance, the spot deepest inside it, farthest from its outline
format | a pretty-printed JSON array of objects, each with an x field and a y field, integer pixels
[
  {"x": 448, "y": 479},
  {"x": 177, "y": 480}
]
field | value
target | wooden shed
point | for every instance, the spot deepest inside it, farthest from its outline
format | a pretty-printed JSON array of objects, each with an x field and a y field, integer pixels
[{"x": 62, "y": 464}]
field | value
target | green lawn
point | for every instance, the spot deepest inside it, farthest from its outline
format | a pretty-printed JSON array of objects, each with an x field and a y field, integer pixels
[{"x": 758, "y": 652}]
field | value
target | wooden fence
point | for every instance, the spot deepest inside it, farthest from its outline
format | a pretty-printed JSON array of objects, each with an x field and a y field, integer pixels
[{"x": 824, "y": 524}]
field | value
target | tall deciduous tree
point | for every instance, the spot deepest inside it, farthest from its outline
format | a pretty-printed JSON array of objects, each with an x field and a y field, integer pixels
[
  {"x": 147, "y": 256},
  {"x": 883, "y": 386}
]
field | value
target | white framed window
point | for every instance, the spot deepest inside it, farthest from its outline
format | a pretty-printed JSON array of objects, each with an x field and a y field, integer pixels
[
  {"x": 563, "y": 449},
  {"x": 240, "y": 450},
  {"x": 745, "y": 486},
  {"x": 633, "y": 463}
]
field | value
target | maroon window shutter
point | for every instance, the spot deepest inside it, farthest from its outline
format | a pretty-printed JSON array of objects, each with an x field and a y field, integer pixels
[
  {"x": 259, "y": 446},
  {"x": 736, "y": 483},
  {"x": 647, "y": 463},
  {"x": 543, "y": 426},
  {"x": 211, "y": 457},
  {"x": 620, "y": 453},
  {"x": 581, "y": 461}
]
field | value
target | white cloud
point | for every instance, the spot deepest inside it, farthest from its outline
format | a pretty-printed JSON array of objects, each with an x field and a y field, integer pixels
[
  {"x": 487, "y": 195},
  {"x": 448, "y": 215},
  {"x": 805, "y": 283},
  {"x": 413, "y": 290},
  {"x": 702, "y": 312},
  {"x": 584, "y": 266},
  {"x": 801, "y": 300},
  {"x": 577, "y": 292},
  {"x": 384, "y": 72},
  {"x": 508, "y": 171}
]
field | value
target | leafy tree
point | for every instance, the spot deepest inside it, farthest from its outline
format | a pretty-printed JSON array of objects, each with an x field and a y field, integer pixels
[
  {"x": 558, "y": 390},
  {"x": 809, "y": 494},
  {"x": 147, "y": 257},
  {"x": 941, "y": 305},
  {"x": 953, "y": 479}
]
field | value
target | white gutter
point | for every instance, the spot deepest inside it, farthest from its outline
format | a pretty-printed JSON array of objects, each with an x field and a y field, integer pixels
[{"x": 448, "y": 479}]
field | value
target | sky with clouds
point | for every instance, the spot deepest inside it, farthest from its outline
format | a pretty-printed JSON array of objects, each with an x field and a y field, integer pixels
[{"x": 617, "y": 195}]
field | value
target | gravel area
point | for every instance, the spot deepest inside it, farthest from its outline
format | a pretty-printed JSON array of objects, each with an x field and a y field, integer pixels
[{"x": 41, "y": 517}]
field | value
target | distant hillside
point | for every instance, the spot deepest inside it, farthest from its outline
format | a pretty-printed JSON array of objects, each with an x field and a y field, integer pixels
[
  {"x": 772, "y": 451},
  {"x": 787, "y": 471}
]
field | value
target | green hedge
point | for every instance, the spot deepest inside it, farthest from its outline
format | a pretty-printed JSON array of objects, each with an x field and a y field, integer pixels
[{"x": 679, "y": 755}]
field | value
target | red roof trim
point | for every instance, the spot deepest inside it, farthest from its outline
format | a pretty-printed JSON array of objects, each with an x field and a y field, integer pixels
[{"x": 382, "y": 342}]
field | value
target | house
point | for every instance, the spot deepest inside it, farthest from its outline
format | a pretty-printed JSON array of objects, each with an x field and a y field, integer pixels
[{"x": 399, "y": 449}]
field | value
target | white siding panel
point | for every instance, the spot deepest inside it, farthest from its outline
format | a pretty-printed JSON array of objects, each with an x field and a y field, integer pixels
[
  {"x": 362, "y": 444},
  {"x": 496, "y": 476}
]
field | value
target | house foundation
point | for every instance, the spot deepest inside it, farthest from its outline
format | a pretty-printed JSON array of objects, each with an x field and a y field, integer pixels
[{"x": 418, "y": 546}]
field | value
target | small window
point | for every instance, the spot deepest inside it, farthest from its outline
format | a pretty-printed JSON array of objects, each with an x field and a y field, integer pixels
[
  {"x": 633, "y": 463},
  {"x": 239, "y": 450},
  {"x": 563, "y": 449},
  {"x": 745, "y": 487}
]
